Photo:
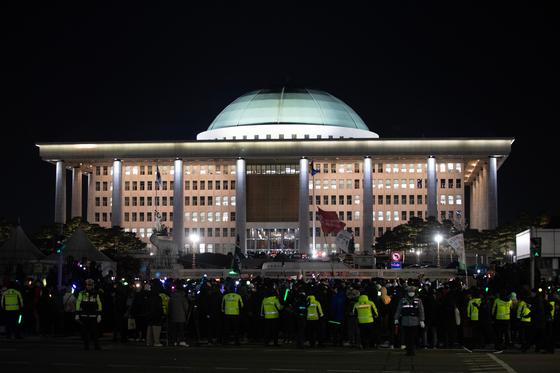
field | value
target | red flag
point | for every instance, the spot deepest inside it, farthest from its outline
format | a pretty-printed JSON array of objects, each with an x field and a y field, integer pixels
[{"x": 329, "y": 221}]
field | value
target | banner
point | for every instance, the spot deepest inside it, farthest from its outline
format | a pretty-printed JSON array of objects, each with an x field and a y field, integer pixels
[
  {"x": 329, "y": 221},
  {"x": 457, "y": 242},
  {"x": 342, "y": 240}
]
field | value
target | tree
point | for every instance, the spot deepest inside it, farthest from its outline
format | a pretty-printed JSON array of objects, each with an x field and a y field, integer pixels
[
  {"x": 114, "y": 238},
  {"x": 5, "y": 230}
]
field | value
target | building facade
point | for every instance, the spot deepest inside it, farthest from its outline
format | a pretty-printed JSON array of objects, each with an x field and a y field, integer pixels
[{"x": 249, "y": 175}]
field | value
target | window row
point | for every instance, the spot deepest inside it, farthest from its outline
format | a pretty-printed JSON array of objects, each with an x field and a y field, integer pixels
[
  {"x": 451, "y": 200},
  {"x": 146, "y": 216},
  {"x": 210, "y": 201},
  {"x": 209, "y": 184},
  {"x": 210, "y": 216},
  {"x": 333, "y": 200},
  {"x": 210, "y": 232},
  {"x": 395, "y": 199}
]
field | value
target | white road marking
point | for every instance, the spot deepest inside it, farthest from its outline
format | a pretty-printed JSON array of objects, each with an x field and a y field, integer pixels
[{"x": 502, "y": 363}]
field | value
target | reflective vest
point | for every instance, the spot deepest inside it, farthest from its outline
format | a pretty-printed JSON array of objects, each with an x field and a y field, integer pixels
[
  {"x": 410, "y": 307},
  {"x": 88, "y": 304},
  {"x": 270, "y": 307},
  {"x": 366, "y": 310},
  {"x": 314, "y": 310},
  {"x": 523, "y": 311},
  {"x": 472, "y": 309},
  {"x": 11, "y": 300},
  {"x": 553, "y": 305},
  {"x": 501, "y": 309},
  {"x": 231, "y": 303},
  {"x": 164, "y": 302}
]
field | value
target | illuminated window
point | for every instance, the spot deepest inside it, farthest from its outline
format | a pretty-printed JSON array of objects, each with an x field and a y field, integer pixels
[
  {"x": 388, "y": 215},
  {"x": 403, "y": 183},
  {"x": 380, "y": 215},
  {"x": 442, "y": 200},
  {"x": 411, "y": 183},
  {"x": 388, "y": 183},
  {"x": 396, "y": 216},
  {"x": 458, "y": 199},
  {"x": 395, "y": 183},
  {"x": 450, "y": 200},
  {"x": 458, "y": 167}
]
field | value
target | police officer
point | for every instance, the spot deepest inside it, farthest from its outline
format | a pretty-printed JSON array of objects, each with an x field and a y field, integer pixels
[
  {"x": 501, "y": 310},
  {"x": 270, "y": 310},
  {"x": 472, "y": 314},
  {"x": 88, "y": 314},
  {"x": 314, "y": 312},
  {"x": 410, "y": 315},
  {"x": 300, "y": 308},
  {"x": 12, "y": 305},
  {"x": 367, "y": 312},
  {"x": 523, "y": 314},
  {"x": 232, "y": 303}
]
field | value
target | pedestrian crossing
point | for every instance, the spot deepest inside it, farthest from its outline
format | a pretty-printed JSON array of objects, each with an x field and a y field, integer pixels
[{"x": 484, "y": 363}]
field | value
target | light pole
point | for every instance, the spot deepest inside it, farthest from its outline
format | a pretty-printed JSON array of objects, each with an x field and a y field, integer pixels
[
  {"x": 194, "y": 239},
  {"x": 418, "y": 252},
  {"x": 510, "y": 252},
  {"x": 438, "y": 238}
]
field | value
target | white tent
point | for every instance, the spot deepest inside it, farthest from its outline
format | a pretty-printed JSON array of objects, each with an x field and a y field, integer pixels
[
  {"x": 78, "y": 246},
  {"x": 19, "y": 248}
]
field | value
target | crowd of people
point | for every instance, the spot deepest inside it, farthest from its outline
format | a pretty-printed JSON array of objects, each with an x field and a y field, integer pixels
[{"x": 365, "y": 314}]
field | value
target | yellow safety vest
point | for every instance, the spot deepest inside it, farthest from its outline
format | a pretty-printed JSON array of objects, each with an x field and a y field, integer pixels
[
  {"x": 164, "y": 302},
  {"x": 88, "y": 304},
  {"x": 270, "y": 308},
  {"x": 501, "y": 309},
  {"x": 366, "y": 310},
  {"x": 523, "y": 311},
  {"x": 314, "y": 310},
  {"x": 231, "y": 303},
  {"x": 472, "y": 309},
  {"x": 553, "y": 304},
  {"x": 11, "y": 300}
]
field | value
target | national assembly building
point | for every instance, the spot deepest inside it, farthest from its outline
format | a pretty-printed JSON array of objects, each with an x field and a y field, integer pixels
[{"x": 248, "y": 178}]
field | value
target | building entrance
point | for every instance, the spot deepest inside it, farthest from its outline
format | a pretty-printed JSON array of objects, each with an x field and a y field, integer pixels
[{"x": 272, "y": 240}]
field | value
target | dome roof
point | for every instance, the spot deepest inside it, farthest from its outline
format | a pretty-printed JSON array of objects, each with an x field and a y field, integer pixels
[{"x": 285, "y": 109}]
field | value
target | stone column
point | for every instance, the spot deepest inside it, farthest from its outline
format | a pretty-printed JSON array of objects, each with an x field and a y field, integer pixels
[
  {"x": 432, "y": 188},
  {"x": 472, "y": 213},
  {"x": 240, "y": 203},
  {"x": 368, "y": 205},
  {"x": 116, "y": 208},
  {"x": 76, "y": 192},
  {"x": 492, "y": 184},
  {"x": 90, "y": 199},
  {"x": 178, "y": 207},
  {"x": 303, "y": 216},
  {"x": 60, "y": 194}
]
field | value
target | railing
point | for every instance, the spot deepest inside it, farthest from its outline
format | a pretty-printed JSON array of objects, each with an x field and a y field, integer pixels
[{"x": 425, "y": 273}]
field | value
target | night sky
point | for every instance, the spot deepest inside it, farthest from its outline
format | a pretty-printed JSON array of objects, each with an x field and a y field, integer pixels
[{"x": 128, "y": 73}]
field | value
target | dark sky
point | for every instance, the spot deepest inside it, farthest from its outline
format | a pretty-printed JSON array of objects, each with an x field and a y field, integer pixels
[{"x": 132, "y": 73}]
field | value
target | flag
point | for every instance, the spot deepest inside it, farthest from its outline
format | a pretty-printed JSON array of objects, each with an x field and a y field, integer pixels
[
  {"x": 313, "y": 169},
  {"x": 158, "y": 177},
  {"x": 457, "y": 242},
  {"x": 329, "y": 221}
]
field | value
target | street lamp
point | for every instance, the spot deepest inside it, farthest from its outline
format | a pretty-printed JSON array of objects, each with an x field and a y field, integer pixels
[
  {"x": 194, "y": 239},
  {"x": 510, "y": 252},
  {"x": 438, "y": 238},
  {"x": 418, "y": 252}
]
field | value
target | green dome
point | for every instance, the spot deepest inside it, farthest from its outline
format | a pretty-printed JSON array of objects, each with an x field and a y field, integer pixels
[{"x": 288, "y": 106}]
